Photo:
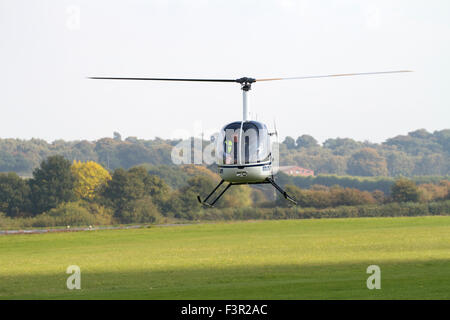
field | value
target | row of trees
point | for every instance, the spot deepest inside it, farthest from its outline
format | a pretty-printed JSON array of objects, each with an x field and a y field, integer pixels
[
  {"x": 22, "y": 156},
  {"x": 60, "y": 190},
  {"x": 56, "y": 181},
  {"x": 417, "y": 153},
  {"x": 132, "y": 195}
]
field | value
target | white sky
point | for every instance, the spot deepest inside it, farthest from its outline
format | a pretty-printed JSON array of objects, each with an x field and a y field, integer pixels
[{"x": 45, "y": 56}]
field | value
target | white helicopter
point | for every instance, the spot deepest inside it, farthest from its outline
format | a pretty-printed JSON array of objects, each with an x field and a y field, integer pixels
[{"x": 243, "y": 148}]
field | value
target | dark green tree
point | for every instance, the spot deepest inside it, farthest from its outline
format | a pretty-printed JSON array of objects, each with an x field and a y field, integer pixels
[
  {"x": 404, "y": 190},
  {"x": 122, "y": 189},
  {"x": 306, "y": 141},
  {"x": 289, "y": 142},
  {"x": 52, "y": 184},
  {"x": 154, "y": 186},
  {"x": 14, "y": 195},
  {"x": 127, "y": 187}
]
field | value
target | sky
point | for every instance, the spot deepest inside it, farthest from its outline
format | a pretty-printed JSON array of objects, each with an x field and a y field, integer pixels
[{"x": 49, "y": 47}]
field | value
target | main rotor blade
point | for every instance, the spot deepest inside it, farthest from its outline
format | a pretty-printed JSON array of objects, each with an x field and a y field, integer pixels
[
  {"x": 246, "y": 80},
  {"x": 164, "y": 79},
  {"x": 334, "y": 75}
]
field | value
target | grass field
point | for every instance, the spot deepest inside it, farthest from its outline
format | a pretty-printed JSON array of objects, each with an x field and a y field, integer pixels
[{"x": 290, "y": 259}]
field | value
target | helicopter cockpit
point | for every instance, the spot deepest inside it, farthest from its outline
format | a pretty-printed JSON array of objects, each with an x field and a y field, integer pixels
[{"x": 243, "y": 143}]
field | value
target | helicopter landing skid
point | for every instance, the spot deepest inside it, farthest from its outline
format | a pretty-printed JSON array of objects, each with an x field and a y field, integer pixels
[
  {"x": 284, "y": 193},
  {"x": 205, "y": 203},
  {"x": 268, "y": 180}
]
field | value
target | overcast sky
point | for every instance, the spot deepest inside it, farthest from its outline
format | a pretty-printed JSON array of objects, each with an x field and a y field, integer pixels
[{"x": 48, "y": 47}]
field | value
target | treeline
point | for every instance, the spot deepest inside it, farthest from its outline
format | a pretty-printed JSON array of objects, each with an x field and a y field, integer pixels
[
  {"x": 61, "y": 192},
  {"x": 416, "y": 154},
  {"x": 22, "y": 156}
]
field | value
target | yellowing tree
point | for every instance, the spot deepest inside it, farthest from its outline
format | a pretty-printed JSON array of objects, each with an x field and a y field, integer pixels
[{"x": 89, "y": 176}]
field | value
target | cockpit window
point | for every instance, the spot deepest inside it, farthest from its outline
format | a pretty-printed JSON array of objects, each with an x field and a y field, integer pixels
[{"x": 243, "y": 143}]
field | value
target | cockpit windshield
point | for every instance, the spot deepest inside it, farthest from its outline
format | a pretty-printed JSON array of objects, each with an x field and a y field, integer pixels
[{"x": 243, "y": 143}]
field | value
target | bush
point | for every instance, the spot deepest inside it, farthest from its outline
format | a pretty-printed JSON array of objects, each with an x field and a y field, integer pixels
[
  {"x": 72, "y": 214},
  {"x": 6, "y": 222},
  {"x": 141, "y": 211},
  {"x": 324, "y": 197}
]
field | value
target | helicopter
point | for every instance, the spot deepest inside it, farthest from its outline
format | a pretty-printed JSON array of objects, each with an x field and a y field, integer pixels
[{"x": 243, "y": 148}]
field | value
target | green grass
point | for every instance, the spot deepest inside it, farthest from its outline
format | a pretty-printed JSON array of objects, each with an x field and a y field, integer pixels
[{"x": 289, "y": 259}]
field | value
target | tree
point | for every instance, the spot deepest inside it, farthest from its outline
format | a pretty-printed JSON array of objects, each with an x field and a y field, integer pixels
[
  {"x": 416, "y": 143},
  {"x": 106, "y": 151},
  {"x": 154, "y": 186},
  {"x": 52, "y": 184},
  {"x": 399, "y": 163},
  {"x": 89, "y": 177},
  {"x": 184, "y": 204},
  {"x": 404, "y": 190},
  {"x": 367, "y": 162},
  {"x": 117, "y": 136},
  {"x": 83, "y": 151},
  {"x": 332, "y": 164},
  {"x": 420, "y": 133},
  {"x": 342, "y": 146},
  {"x": 236, "y": 196},
  {"x": 126, "y": 187},
  {"x": 122, "y": 189},
  {"x": 14, "y": 195},
  {"x": 443, "y": 138},
  {"x": 306, "y": 141},
  {"x": 13, "y": 162},
  {"x": 289, "y": 142},
  {"x": 432, "y": 164},
  {"x": 131, "y": 154}
]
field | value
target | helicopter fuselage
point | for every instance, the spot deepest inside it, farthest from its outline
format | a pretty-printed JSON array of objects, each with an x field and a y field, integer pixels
[{"x": 243, "y": 151}]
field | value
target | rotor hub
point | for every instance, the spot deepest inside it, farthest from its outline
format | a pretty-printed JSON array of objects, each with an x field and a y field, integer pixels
[{"x": 246, "y": 83}]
